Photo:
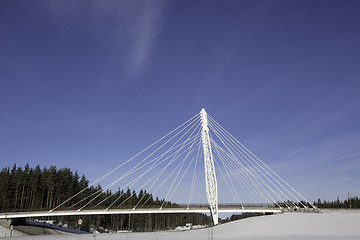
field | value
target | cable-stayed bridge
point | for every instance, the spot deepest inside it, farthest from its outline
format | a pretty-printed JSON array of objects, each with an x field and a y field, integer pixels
[{"x": 199, "y": 161}]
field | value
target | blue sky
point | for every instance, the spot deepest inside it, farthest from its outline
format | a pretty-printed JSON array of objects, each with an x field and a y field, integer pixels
[{"x": 88, "y": 84}]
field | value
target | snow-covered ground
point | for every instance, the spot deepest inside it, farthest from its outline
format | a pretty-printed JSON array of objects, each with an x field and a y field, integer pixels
[
  {"x": 291, "y": 226},
  {"x": 5, "y": 232}
]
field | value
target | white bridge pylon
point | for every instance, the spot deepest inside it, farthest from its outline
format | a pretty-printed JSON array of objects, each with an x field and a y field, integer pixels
[
  {"x": 170, "y": 168},
  {"x": 210, "y": 176}
]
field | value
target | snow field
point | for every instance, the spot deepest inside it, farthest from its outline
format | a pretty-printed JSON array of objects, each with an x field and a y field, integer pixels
[{"x": 291, "y": 226}]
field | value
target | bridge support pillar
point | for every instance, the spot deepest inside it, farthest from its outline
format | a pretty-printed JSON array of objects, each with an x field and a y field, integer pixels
[{"x": 210, "y": 177}]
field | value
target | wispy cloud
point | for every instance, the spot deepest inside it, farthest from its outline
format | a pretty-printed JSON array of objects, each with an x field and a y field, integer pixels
[
  {"x": 126, "y": 29},
  {"x": 329, "y": 152},
  {"x": 147, "y": 28}
]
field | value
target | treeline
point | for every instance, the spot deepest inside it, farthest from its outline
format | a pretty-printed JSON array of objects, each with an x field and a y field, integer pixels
[
  {"x": 32, "y": 189},
  {"x": 235, "y": 217},
  {"x": 36, "y": 189},
  {"x": 351, "y": 202}
]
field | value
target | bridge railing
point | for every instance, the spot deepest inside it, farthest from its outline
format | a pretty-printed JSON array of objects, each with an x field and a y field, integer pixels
[
  {"x": 230, "y": 205},
  {"x": 168, "y": 206}
]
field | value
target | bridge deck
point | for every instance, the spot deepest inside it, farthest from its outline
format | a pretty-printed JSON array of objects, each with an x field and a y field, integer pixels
[{"x": 11, "y": 215}]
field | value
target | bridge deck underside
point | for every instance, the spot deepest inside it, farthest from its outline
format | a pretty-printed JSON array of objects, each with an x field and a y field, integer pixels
[{"x": 12, "y": 215}]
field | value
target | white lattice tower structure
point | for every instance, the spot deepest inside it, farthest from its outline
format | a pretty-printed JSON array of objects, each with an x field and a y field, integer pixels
[{"x": 210, "y": 176}]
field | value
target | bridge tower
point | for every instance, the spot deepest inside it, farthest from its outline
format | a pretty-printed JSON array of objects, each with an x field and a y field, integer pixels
[{"x": 210, "y": 176}]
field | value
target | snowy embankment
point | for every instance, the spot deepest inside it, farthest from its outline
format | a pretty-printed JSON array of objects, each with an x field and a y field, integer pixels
[
  {"x": 5, "y": 232},
  {"x": 291, "y": 226}
]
